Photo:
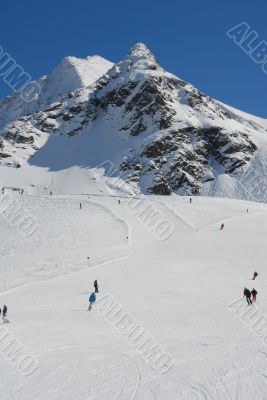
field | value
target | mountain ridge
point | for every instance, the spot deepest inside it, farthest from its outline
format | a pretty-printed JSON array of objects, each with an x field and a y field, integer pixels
[{"x": 161, "y": 133}]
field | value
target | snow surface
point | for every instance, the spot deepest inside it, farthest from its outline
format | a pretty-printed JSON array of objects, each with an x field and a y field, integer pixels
[
  {"x": 178, "y": 290},
  {"x": 74, "y": 73},
  {"x": 71, "y": 74}
]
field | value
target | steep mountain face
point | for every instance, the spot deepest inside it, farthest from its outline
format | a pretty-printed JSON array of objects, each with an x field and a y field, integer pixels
[{"x": 160, "y": 133}]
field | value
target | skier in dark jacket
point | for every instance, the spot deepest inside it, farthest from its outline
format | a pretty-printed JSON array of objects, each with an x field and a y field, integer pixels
[
  {"x": 96, "y": 286},
  {"x": 4, "y": 314},
  {"x": 247, "y": 293},
  {"x": 254, "y": 295},
  {"x": 92, "y": 300}
]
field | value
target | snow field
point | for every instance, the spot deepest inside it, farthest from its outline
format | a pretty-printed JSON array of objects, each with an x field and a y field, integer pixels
[{"x": 179, "y": 290}]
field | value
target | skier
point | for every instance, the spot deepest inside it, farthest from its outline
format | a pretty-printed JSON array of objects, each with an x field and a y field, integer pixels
[
  {"x": 4, "y": 314},
  {"x": 96, "y": 286},
  {"x": 254, "y": 295},
  {"x": 80, "y": 206},
  {"x": 248, "y": 296},
  {"x": 190, "y": 200},
  {"x": 92, "y": 300},
  {"x": 254, "y": 276},
  {"x": 222, "y": 226},
  {"x": 119, "y": 201}
]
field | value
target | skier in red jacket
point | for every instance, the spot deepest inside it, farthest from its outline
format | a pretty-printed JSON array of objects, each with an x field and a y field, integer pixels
[
  {"x": 254, "y": 295},
  {"x": 255, "y": 276}
]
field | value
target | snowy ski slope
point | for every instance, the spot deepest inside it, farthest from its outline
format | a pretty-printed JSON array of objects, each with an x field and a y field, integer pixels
[{"x": 178, "y": 289}]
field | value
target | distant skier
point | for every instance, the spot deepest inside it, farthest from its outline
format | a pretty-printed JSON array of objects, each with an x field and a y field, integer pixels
[
  {"x": 80, "y": 206},
  {"x": 247, "y": 293},
  {"x": 254, "y": 295},
  {"x": 190, "y": 200},
  {"x": 254, "y": 276},
  {"x": 119, "y": 201},
  {"x": 96, "y": 286},
  {"x": 50, "y": 193},
  {"x": 222, "y": 227},
  {"x": 92, "y": 300},
  {"x": 4, "y": 314}
]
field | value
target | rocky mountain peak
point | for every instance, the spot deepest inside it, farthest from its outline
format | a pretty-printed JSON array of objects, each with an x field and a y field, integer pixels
[{"x": 141, "y": 54}]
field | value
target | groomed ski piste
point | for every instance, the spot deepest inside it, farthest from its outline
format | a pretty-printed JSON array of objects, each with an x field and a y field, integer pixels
[{"x": 183, "y": 288}]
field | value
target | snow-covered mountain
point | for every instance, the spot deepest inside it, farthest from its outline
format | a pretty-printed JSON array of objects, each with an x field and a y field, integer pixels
[
  {"x": 160, "y": 134},
  {"x": 169, "y": 321},
  {"x": 72, "y": 73}
]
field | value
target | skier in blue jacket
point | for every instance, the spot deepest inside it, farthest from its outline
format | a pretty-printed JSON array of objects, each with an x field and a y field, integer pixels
[{"x": 92, "y": 300}]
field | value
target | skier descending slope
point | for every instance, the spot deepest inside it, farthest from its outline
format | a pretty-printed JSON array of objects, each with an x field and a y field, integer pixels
[
  {"x": 254, "y": 276},
  {"x": 5, "y": 320},
  {"x": 92, "y": 300},
  {"x": 96, "y": 286},
  {"x": 254, "y": 295},
  {"x": 248, "y": 296},
  {"x": 222, "y": 226}
]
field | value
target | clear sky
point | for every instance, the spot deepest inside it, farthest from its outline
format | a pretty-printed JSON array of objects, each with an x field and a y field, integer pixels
[{"x": 187, "y": 36}]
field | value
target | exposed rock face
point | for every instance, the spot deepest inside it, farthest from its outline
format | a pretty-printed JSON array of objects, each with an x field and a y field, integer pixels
[
  {"x": 176, "y": 138},
  {"x": 187, "y": 155},
  {"x": 161, "y": 188}
]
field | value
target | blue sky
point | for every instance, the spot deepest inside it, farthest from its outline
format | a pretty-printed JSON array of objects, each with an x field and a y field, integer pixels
[{"x": 188, "y": 38}]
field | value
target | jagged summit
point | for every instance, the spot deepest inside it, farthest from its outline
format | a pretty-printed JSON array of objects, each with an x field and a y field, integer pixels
[
  {"x": 138, "y": 64},
  {"x": 141, "y": 52},
  {"x": 140, "y": 57}
]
